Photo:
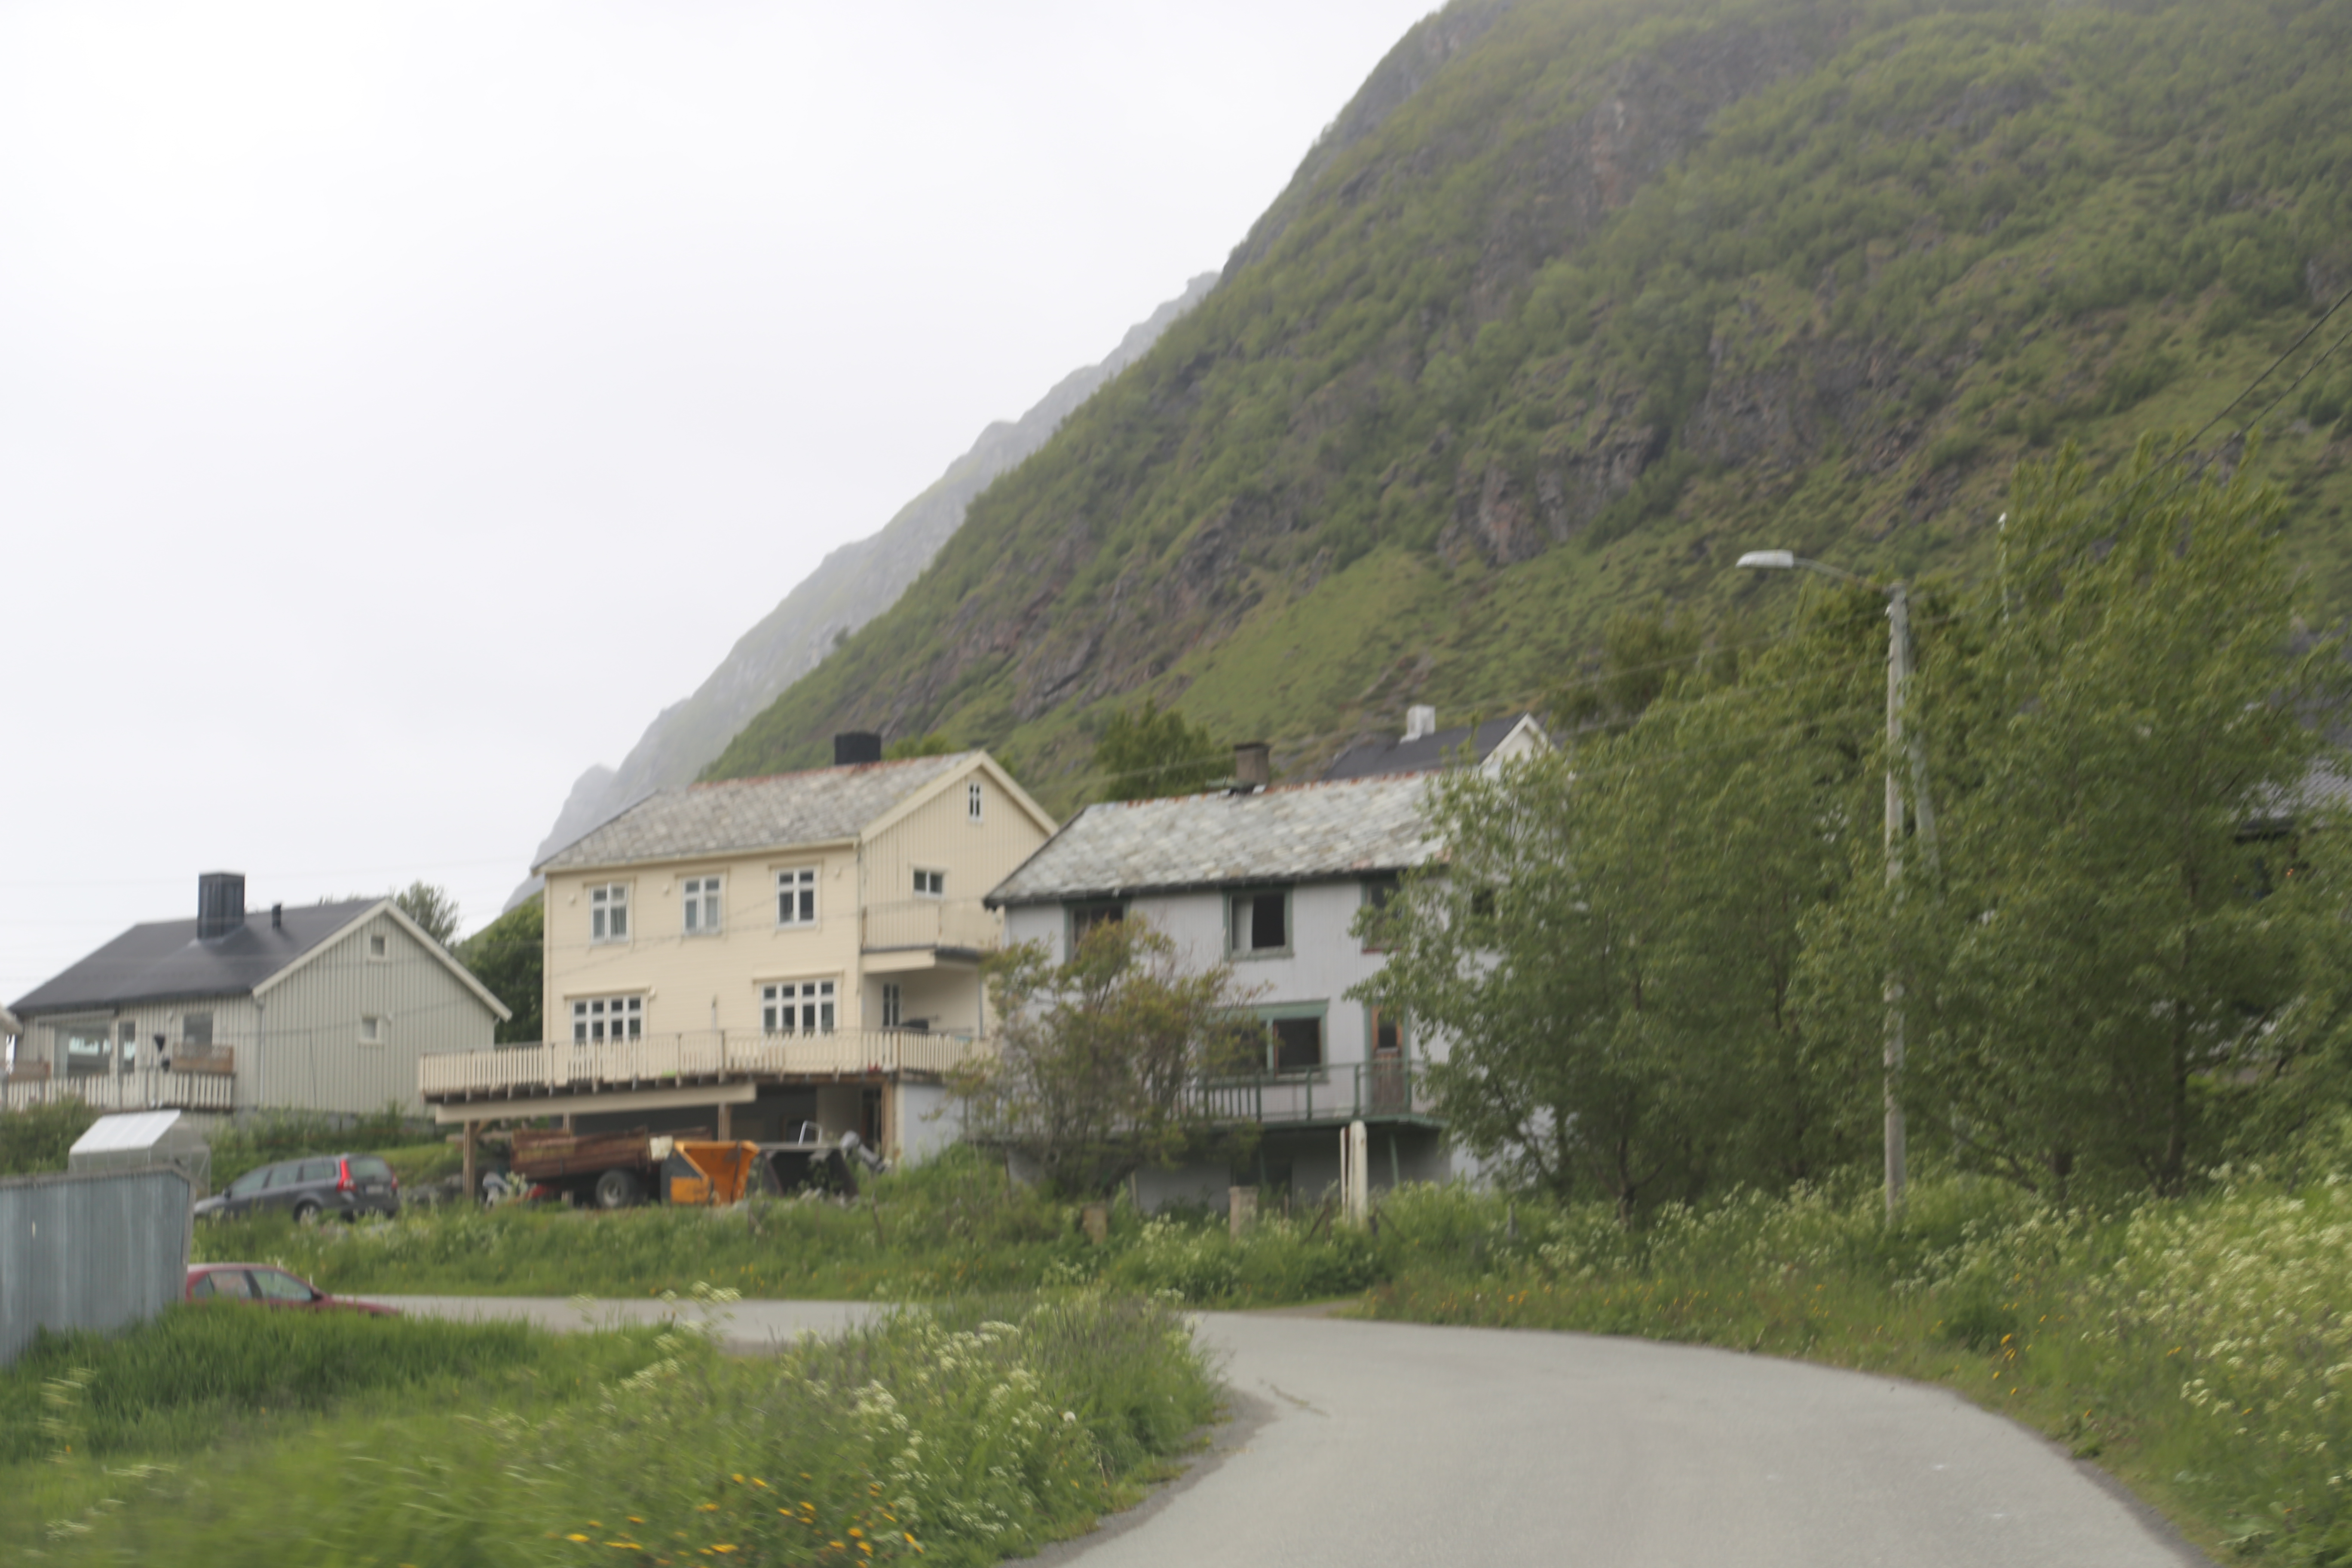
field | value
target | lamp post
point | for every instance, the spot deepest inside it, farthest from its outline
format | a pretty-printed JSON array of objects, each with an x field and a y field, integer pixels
[{"x": 1898, "y": 675}]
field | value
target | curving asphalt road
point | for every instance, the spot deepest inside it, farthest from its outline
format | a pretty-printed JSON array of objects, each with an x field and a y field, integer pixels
[{"x": 1362, "y": 1445}]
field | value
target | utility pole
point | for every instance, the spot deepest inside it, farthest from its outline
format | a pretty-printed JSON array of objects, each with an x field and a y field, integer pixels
[
  {"x": 1901, "y": 749},
  {"x": 1898, "y": 673}
]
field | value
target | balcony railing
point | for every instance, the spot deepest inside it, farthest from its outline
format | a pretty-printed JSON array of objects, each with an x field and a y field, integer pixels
[
  {"x": 931, "y": 922},
  {"x": 146, "y": 1090},
  {"x": 563, "y": 1067},
  {"x": 1344, "y": 1091}
]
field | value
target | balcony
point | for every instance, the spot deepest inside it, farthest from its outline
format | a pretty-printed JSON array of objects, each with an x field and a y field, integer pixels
[
  {"x": 1334, "y": 1095},
  {"x": 148, "y": 1090},
  {"x": 666, "y": 1061},
  {"x": 929, "y": 924}
]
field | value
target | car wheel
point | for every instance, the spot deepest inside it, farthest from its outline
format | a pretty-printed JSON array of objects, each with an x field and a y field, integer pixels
[
  {"x": 617, "y": 1190},
  {"x": 306, "y": 1212}
]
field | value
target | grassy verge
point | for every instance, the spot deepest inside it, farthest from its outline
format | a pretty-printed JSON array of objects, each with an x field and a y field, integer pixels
[
  {"x": 953, "y": 1226},
  {"x": 962, "y": 1435}
]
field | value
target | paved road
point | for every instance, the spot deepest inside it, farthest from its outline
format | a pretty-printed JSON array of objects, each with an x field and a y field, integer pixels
[{"x": 1363, "y": 1445}]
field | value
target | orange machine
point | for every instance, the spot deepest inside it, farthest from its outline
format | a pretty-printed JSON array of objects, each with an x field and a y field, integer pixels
[{"x": 700, "y": 1171}]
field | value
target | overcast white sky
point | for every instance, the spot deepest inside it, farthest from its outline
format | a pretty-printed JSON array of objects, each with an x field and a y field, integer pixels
[{"x": 400, "y": 404}]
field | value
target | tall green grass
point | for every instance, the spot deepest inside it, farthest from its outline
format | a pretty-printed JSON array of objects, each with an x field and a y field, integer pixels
[{"x": 962, "y": 1435}]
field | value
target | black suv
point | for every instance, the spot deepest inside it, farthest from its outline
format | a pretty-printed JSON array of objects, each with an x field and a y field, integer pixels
[{"x": 346, "y": 1185}]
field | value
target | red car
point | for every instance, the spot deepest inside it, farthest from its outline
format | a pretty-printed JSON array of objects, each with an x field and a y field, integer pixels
[{"x": 271, "y": 1287}]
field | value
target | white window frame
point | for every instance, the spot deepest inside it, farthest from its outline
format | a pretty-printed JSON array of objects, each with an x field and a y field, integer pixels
[
  {"x": 929, "y": 884},
  {"x": 796, "y": 912},
  {"x": 605, "y": 1020},
  {"x": 608, "y": 912},
  {"x": 371, "y": 1029},
  {"x": 894, "y": 1004},
  {"x": 379, "y": 947},
  {"x": 973, "y": 796},
  {"x": 705, "y": 901},
  {"x": 800, "y": 1006}
]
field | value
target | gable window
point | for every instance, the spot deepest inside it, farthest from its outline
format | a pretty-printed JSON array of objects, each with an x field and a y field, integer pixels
[
  {"x": 701, "y": 905},
  {"x": 379, "y": 945},
  {"x": 1085, "y": 917},
  {"x": 797, "y": 896},
  {"x": 972, "y": 799},
  {"x": 596, "y": 1020},
  {"x": 371, "y": 1030},
  {"x": 1259, "y": 924},
  {"x": 893, "y": 1005},
  {"x": 608, "y": 912},
  {"x": 797, "y": 1007},
  {"x": 931, "y": 884}
]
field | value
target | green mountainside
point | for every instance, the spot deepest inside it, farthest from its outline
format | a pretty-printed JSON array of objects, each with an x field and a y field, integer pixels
[{"x": 1579, "y": 298}]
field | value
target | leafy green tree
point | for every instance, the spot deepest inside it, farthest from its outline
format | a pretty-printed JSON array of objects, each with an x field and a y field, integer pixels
[
  {"x": 1153, "y": 753},
  {"x": 430, "y": 907},
  {"x": 932, "y": 745},
  {"x": 2113, "y": 948},
  {"x": 509, "y": 956},
  {"x": 1099, "y": 1058}
]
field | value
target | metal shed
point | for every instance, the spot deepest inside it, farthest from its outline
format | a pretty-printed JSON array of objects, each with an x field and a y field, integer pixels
[{"x": 141, "y": 1139}]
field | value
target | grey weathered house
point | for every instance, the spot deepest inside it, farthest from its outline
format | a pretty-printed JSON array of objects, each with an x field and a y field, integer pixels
[{"x": 317, "y": 1007}]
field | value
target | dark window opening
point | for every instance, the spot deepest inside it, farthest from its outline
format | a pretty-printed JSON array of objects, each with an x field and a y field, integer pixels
[
  {"x": 1261, "y": 922},
  {"x": 1084, "y": 918},
  {"x": 1387, "y": 1034},
  {"x": 1297, "y": 1044}
]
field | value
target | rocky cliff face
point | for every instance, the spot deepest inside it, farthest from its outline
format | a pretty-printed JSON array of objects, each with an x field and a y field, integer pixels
[
  {"x": 850, "y": 587},
  {"x": 1576, "y": 300}
]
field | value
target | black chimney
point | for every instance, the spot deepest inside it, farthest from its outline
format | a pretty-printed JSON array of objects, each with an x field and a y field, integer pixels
[
  {"x": 220, "y": 904},
  {"x": 857, "y": 746}
]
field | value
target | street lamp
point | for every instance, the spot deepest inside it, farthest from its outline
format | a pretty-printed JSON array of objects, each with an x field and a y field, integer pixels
[{"x": 1898, "y": 674}]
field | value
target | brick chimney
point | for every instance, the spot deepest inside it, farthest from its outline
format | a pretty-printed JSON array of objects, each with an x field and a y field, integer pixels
[{"x": 1253, "y": 764}]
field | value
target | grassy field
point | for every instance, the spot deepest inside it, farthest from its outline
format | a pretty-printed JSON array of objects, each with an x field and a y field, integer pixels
[{"x": 962, "y": 1435}]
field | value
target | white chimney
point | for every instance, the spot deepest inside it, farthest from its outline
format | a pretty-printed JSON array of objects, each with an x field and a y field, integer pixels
[{"x": 1420, "y": 721}]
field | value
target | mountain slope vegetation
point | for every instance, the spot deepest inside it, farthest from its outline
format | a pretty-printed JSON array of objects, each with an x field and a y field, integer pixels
[{"x": 1581, "y": 298}]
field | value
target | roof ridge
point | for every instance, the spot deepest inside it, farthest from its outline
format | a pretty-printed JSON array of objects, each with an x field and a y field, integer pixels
[{"x": 828, "y": 768}]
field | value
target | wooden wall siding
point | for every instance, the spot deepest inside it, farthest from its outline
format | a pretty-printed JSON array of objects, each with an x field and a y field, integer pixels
[
  {"x": 704, "y": 981},
  {"x": 940, "y": 835},
  {"x": 713, "y": 981},
  {"x": 310, "y": 1056}
]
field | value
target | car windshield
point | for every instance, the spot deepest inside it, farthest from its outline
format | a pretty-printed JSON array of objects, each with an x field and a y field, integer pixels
[
  {"x": 370, "y": 1168},
  {"x": 248, "y": 1183}
]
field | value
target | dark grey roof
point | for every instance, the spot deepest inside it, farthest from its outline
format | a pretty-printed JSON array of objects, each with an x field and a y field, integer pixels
[
  {"x": 1296, "y": 833},
  {"x": 820, "y": 806},
  {"x": 163, "y": 958},
  {"x": 1373, "y": 759}
]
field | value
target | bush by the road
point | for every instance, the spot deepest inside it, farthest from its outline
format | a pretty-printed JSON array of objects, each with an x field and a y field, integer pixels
[{"x": 962, "y": 1435}]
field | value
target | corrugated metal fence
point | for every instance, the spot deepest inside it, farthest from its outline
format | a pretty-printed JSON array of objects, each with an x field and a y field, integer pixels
[{"x": 89, "y": 1251}]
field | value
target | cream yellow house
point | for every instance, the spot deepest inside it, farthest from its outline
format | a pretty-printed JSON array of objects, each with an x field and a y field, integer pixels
[{"x": 748, "y": 955}]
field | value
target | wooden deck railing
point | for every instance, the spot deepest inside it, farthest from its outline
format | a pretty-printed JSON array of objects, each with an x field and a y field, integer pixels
[
  {"x": 562, "y": 1067},
  {"x": 1343, "y": 1091},
  {"x": 136, "y": 1092}
]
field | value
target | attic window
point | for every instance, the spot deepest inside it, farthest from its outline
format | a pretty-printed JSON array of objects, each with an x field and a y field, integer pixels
[
  {"x": 972, "y": 799},
  {"x": 371, "y": 1031},
  {"x": 932, "y": 884},
  {"x": 379, "y": 945}
]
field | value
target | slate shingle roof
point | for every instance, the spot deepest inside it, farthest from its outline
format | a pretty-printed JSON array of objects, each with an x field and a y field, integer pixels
[
  {"x": 1296, "y": 833},
  {"x": 821, "y": 805},
  {"x": 162, "y": 960},
  {"x": 1373, "y": 759}
]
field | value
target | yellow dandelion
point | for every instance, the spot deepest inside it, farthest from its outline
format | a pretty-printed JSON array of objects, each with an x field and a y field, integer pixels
[{"x": 576, "y": 1536}]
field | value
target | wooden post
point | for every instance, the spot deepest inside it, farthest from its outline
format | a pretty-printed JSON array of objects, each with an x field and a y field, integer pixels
[
  {"x": 726, "y": 1122},
  {"x": 466, "y": 1141},
  {"x": 1241, "y": 1210}
]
